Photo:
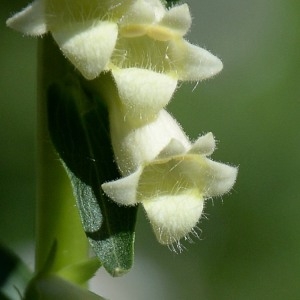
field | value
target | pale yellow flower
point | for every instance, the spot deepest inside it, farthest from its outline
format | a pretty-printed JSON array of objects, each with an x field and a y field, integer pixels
[{"x": 170, "y": 176}]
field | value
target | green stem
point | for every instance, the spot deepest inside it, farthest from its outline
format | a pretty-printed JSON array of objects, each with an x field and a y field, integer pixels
[{"x": 57, "y": 216}]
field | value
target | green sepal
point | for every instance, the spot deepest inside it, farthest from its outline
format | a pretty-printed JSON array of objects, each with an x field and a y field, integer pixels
[
  {"x": 79, "y": 128},
  {"x": 80, "y": 272},
  {"x": 77, "y": 273},
  {"x": 66, "y": 283}
]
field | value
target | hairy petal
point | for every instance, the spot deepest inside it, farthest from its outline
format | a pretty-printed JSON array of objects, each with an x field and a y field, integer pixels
[
  {"x": 222, "y": 178},
  {"x": 192, "y": 62},
  {"x": 158, "y": 8},
  {"x": 137, "y": 19},
  {"x": 174, "y": 147},
  {"x": 136, "y": 141},
  {"x": 204, "y": 145},
  {"x": 88, "y": 45},
  {"x": 31, "y": 20},
  {"x": 178, "y": 19},
  {"x": 174, "y": 217},
  {"x": 123, "y": 191},
  {"x": 144, "y": 92}
]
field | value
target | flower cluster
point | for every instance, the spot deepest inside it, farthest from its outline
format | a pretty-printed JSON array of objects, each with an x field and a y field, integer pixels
[{"x": 141, "y": 43}]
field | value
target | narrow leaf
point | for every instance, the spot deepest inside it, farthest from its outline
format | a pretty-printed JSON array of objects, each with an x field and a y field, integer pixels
[{"x": 78, "y": 125}]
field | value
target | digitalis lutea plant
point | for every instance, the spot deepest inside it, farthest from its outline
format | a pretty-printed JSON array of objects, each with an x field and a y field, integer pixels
[{"x": 142, "y": 44}]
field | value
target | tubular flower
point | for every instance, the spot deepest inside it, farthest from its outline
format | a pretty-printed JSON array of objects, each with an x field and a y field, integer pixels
[
  {"x": 170, "y": 176},
  {"x": 133, "y": 38}
]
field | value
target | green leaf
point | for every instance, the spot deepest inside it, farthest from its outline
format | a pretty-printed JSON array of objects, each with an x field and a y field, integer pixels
[
  {"x": 170, "y": 3},
  {"x": 79, "y": 128},
  {"x": 14, "y": 275}
]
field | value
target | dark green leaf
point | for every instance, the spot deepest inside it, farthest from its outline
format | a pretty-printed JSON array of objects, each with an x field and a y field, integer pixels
[
  {"x": 170, "y": 3},
  {"x": 78, "y": 125}
]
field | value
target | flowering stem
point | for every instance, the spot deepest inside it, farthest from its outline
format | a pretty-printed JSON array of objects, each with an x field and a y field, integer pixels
[{"x": 57, "y": 220}]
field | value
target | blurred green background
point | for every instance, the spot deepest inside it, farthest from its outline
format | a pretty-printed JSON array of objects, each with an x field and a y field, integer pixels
[{"x": 250, "y": 242}]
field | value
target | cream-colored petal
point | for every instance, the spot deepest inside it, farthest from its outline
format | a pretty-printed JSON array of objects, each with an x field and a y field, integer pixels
[
  {"x": 204, "y": 145},
  {"x": 88, "y": 45},
  {"x": 192, "y": 62},
  {"x": 177, "y": 19},
  {"x": 31, "y": 20},
  {"x": 136, "y": 20},
  {"x": 158, "y": 8},
  {"x": 72, "y": 11},
  {"x": 173, "y": 216},
  {"x": 123, "y": 191},
  {"x": 144, "y": 92},
  {"x": 134, "y": 144},
  {"x": 175, "y": 147},
  {"x": 222, "y": 178}
]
